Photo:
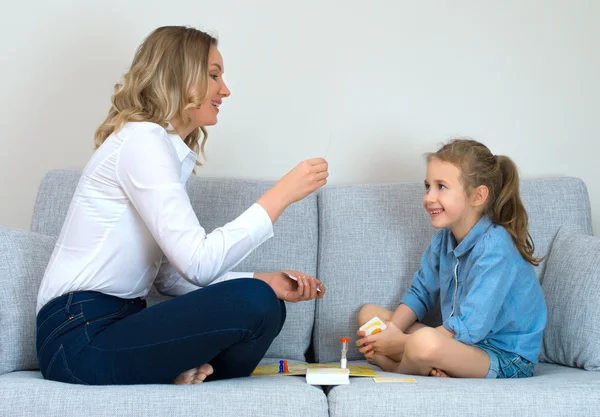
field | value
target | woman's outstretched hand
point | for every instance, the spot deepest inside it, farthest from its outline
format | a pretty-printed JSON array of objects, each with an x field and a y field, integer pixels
[
  {"x": 289, "y": 290},
  {"x": 307, "y": 177}
]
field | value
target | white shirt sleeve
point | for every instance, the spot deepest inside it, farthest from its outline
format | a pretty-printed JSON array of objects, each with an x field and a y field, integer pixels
[
  {"x": 170, "y": 282},
  {"x": 149, "y": 172}
]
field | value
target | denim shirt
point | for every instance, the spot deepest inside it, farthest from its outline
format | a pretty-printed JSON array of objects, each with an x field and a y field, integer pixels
[{"x": 486, "y": 289}]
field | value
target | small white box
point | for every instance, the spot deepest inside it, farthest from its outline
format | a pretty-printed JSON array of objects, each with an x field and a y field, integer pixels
[{"x": 327, "y": 376}]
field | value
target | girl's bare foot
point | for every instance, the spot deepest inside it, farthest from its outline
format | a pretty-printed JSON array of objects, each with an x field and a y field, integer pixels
[
  {"x": 195, "y": 375},
  {"x": 383, "y": 362},
  {"x": 439, "y": 373}
]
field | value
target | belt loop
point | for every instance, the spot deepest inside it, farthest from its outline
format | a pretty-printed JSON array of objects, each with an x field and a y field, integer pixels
[{"x": 68, "y": 305}]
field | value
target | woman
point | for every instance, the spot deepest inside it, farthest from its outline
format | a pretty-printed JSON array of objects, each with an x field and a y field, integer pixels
[{"x": 131, "y": 213}]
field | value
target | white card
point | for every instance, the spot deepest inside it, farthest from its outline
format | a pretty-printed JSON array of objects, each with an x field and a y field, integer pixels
[{"x": 290, "y": 276}]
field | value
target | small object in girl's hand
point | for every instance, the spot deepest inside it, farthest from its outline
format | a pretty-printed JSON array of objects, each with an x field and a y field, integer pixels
[
  {"x": 290, "y": 276},
  {"x": 373, "y": 326}
]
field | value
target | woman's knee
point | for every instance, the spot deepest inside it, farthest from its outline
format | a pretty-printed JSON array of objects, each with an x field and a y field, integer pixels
[
  {"x": 262, "y": 303},
  {"x": 261, "y": 294}
]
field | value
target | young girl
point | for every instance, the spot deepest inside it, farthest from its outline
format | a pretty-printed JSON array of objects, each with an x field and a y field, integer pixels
[
  {"x": 131, "y": 213},
  {"x": 479, "y": 266}
]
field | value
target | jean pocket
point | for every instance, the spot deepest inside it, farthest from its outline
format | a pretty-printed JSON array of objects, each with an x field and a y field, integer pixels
[
  {"x": 527, "y": 369},
  {"x": 57, "y": 369},
  {"x": 91, "y": 318},
  {"x": 47, "y": 320},
  {"x": 73, "y": 320},
  {"x": 521, "y": 368}
]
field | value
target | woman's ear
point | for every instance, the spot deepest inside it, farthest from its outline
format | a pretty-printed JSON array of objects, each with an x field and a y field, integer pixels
[{"x": 479, "y": 196}]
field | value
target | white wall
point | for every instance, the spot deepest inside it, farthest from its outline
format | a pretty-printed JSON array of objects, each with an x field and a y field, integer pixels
[{"x": 385, "y": 80}]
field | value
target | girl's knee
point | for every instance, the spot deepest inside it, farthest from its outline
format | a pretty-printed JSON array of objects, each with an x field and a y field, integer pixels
[
  {"x": 423, "y": 345},
  {"x": 366, "y": 313}
]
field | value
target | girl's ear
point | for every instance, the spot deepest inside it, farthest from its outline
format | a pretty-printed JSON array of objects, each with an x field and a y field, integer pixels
[{"x": 479, "y": 196}]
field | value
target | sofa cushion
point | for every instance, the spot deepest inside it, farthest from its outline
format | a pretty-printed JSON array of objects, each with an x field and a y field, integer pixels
[
  {"x": 23, "y": 259},
  {"x": 571, "y": 286},
  {"x": 26, "y": 393},
  {"x": 553, "y": 391},
  {"x": 552, "y": 203},
  {"x": 216, "y": 202}
]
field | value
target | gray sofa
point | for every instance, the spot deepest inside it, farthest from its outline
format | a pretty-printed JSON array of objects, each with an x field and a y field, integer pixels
[{"x": 365, "y": 243}]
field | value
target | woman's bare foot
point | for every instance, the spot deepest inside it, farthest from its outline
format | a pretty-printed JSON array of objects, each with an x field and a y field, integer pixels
[
  {"x": 439, "y": 373},
  {"x": 195, "y": 375}
]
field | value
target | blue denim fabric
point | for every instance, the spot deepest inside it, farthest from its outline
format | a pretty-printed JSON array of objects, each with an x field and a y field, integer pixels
[
  {"x": 485, "y": 287},
  {"x": 505, "y": 364},
  {"x": 97, "y": 339}
]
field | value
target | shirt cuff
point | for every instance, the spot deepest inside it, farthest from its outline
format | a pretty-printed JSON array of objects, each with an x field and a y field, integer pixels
[
  {"x": 257, "y": 222},
  {"x": 233, "y": 275},
  {"x": 461, "y": 333},
  {"x": 413, "y": 302}
]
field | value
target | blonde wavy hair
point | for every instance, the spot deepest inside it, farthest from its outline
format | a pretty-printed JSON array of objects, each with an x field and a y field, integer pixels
[{"x": 169, "y": 75}]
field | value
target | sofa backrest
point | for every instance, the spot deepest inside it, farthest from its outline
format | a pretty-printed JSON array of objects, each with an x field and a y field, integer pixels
[
  {"x": 216, "y": 202},
  {"x": 372, "y": 237},
  {"x": 364, "y": 241}
]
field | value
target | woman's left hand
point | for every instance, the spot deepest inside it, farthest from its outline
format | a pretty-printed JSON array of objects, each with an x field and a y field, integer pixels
[{"x": 289, "y": 290}]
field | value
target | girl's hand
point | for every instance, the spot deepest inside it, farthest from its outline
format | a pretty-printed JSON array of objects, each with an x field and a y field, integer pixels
[
  {"x": 389, "y": 342},
  {"x": 289, "y": 290}
]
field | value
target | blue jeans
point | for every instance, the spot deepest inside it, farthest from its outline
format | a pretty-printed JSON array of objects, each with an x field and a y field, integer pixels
[
  {"x": 505, "y": 364},
  {"x": 97, "y": 339}
]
